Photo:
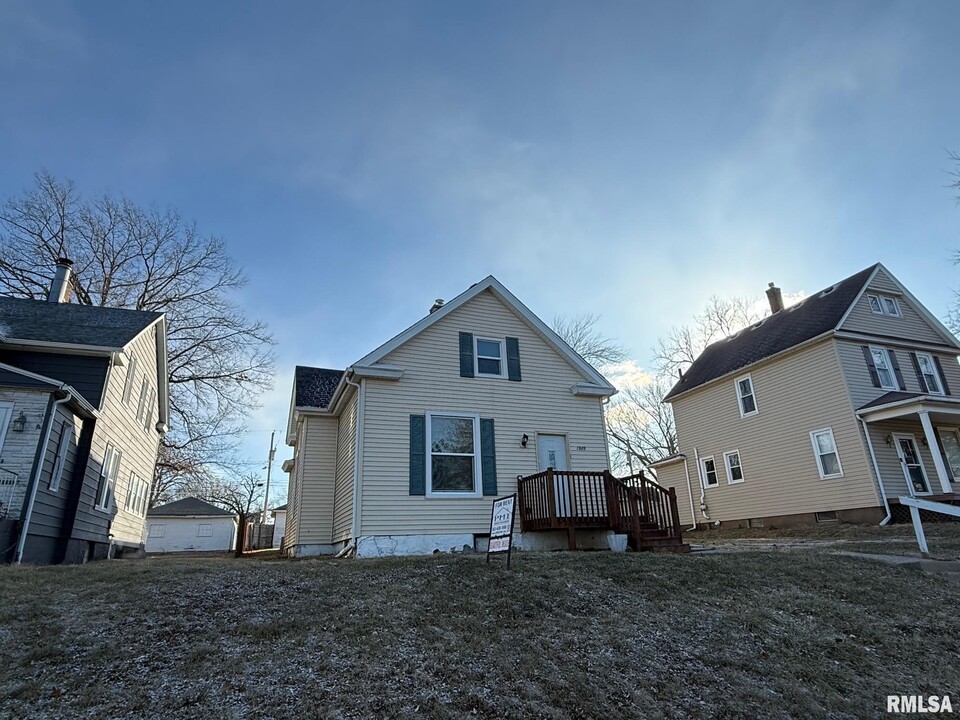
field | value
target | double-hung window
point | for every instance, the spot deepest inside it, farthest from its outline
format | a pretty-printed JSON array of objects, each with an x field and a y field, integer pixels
[
  {"x": 489, "y": 354},
  {"x": 144, "y": 392},
  {"x": 63, "y": 446},
  {"x": 825, "y": 451},
  {"x": 709, "y": 468},
  {"x": 453, "y": 464},
  {"x": 137, "y": 495},
  {"x": 128, "y": 383},
  {"x": 928, "y": 371},
  {"x": 745, "y": 396},
  {"x": 881, "y": 361},
  {"x": 734, "y": 468},
  {"x": 108, "y": 478},
  {"x": 884, "y": 305}
]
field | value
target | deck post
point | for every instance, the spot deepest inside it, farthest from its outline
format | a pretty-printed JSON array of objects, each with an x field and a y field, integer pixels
[
  {"x": 674, "y": 513},
  {"x": 918, "y": 529},
  {"x": 552, "y": 498},
  {"x": 571, "y": 538}
]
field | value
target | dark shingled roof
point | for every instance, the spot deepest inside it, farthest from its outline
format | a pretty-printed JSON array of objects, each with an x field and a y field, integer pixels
[
  {"x": 187, "y": 507},
  {"x": 44, "y": 321},
  {"x": 814, "y": 316},
  {"x": 313, "y": 387},
  {"x": 891, "y": 397}
]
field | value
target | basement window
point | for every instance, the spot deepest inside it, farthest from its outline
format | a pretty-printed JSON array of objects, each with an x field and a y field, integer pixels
[
  {"x": 755, "y": 523},
  {"x": 826, "y": 517}
]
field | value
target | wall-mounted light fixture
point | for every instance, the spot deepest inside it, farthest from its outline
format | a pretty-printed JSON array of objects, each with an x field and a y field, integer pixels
[
  {"x": 20, "y": 422},
  {"x": 924, "y": 441},
  {"x": 524, "y": 440},
  {"x": 888, "y": 439}
]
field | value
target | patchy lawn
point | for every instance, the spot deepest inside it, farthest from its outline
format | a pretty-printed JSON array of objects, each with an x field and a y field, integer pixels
[{"x": 798, "y": 634}]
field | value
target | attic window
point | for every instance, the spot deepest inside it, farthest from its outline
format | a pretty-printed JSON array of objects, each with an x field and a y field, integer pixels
[{"x": 884, "y": 305}]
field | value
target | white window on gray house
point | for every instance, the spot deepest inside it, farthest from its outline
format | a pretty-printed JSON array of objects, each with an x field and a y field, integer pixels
[
  {"x": 63, "y": 447},
  {"x": 825, "y": 451},
  {"x": 453, "y": 468},
  {"x": 734, "y": 468},
  {"x": 156, "y": 530},
  {"x": 489, "y": 354},
  {"x": 928, "y": 371},
  {"x": 881, "y": 361},
  {"x": 108, "y": 478},
  {"x": 205, "y": 530},
  {"x": 128, "y": 383},
  {"x": 144, "y": 392},
  {"x": 884, "y": 305},
  {"x": 709, "y": 468},
  {"x": 745, "y": 396}
]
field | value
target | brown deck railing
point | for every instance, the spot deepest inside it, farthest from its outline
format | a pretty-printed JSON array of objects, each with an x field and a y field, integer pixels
[{"x": 567, "y": 499}]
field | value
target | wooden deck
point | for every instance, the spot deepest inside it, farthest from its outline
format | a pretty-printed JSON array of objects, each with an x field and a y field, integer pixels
[{"x": 572, "y": 500}]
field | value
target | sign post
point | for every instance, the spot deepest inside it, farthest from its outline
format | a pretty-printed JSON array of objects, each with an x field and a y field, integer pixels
[{"x": 501, "y": 527}]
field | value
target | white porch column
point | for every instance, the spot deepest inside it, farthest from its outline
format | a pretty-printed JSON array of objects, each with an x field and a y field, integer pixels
[{"x": 935, "y": 450}]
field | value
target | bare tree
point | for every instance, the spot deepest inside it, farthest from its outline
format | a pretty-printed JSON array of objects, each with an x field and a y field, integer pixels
[
  {"x": 580, "y": 333},
  {"x": 126, "y": 256},
  {"x": 238, "y": 494},
  {"x": 640, "y": 426}
]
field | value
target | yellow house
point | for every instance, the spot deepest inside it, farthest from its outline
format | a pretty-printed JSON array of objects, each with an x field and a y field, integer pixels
[{"x": 828, "y": 410}]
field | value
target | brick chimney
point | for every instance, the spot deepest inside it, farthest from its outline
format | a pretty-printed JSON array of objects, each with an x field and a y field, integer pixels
[
  {"x": 62, "y": 284},
  {"x": 776, "y": 298}
]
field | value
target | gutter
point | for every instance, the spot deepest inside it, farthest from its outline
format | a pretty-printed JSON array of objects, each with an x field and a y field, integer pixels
[
  {"x": 38, "y": 470},
  {"x": 693, "y": 512},
  {"x": 876, "y": 470},
  {"x": 703, "y": 489},
  {"x": 357, "y": 457}
]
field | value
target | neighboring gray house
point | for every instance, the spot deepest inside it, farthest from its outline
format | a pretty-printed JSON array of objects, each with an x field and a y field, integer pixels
[
  {"x": 827, "y": 410},
  {"x": 190, "y": 525},
  {"x": 83, "y": 404}
]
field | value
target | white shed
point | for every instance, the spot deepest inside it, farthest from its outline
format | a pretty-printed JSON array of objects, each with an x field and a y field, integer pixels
[
  {"x": 190, "y": 525},
  {"x": 279, "y": 524}
]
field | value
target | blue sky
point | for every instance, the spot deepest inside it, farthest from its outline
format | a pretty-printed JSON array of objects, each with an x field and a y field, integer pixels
[{"x": 626, "y": 159}]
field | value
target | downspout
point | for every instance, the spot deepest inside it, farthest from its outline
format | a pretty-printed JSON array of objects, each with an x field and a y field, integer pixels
[
  {"x": 38, "y": 470},
  {"x": 703, "y": 489},
  {"x": 693, "y": 512},
  {"x": 876, "y": 469},
  {"x": 357, "y": 459}
]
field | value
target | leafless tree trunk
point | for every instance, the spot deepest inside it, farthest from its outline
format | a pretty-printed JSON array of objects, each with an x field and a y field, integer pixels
[{"x": 126, "y": 256}]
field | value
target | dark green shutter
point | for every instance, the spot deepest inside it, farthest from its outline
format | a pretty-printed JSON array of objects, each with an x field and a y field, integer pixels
[
  {"x": 868, "y": 356},
  {"x": 896, "y": 369},
  {"x": 513, "y": 359},
  {"x": 466, "y": 354},
  {"x": 488, "y": 457},
  {"x": 418, "y": 449},
  {"x": 919, "y": 372},
  {"x": 943, "y": 378}
]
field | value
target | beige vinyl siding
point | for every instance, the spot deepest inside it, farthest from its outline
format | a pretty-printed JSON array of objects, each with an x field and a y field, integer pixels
[
  {"x": 894, "y": 481},
  {"x": 911, "y": 326},
  {"x": 673, "y": 476},
  {"x": 319, "y": 460},
  {"x": 118, "y": 425},
  {"x": 290, "y": 523},
  {"x": 294, "y": 490},
  {"x": 346, "y": 454},
  {"x": 857, "y": 374},
  {"x": 541, "y": 403},
  {"x": 796, "y": 394}
]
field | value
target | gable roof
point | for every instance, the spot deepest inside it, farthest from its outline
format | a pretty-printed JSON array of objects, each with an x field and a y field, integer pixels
[
  {"x": 188, "y": 507},
  {"x": 71, "y": 324},
  {"x": 314, "y": 387},
  {"x": 815, "y": 315},
  {"x": 507, "y": 298}
]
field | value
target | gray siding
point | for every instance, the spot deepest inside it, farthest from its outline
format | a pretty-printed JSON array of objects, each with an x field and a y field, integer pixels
[
  {"x": 50, "y": 507},
  {"x": 86, "y": 374}
]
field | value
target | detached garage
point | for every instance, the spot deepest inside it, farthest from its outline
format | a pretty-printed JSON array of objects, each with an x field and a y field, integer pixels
[{"x": 190, "y": 525}]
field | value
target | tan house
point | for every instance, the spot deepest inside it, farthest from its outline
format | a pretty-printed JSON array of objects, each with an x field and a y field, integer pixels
[
  {"x": 827, "y": 410},
  {"x": 83, "y": 405},
  {"x": 403, "y": 452}
]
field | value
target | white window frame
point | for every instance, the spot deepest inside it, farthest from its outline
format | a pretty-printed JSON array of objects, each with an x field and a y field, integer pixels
[
  {"x": 753, "y": 394},
  {"x": 153, "y": 526},
  {"x": 889, "y": 367},
  {"x": 703, "y": 471},
  {"x": 137, "y": 493},
  {"x": 109, "y": 471},
  {"x": 148, "y": 408},
  {"x": 726, "y": 465},
  {"x": 63, "y": 447},
  {"x": 934, "y": 371},
  {"x": 129, "y": 381},
  {"x": 948, "y": 430},
  {"x": 502, "y": 342},
  {"x": 817, "y": 456},
  {"x": 209, "y": 528},
  {"x": 5, "y": 423},
  {"x": 477, "y": 476},
  {"x": 142, "y": 404},
  {"x": 882, "y": 301}
]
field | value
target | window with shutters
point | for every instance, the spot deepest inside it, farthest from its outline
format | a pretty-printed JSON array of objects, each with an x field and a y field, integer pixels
[
  {"x": 453, "y": 459},
  {"x": 881, "y": 361},
  {"x": 884, "y": 305},
  {"x": 748, "y": 402},
  {"x": 709, "y": 469},
  {"x": 489, "y": 357},
  {"x": 928, "y": 371},
  {"x": 825, "y": 452}
]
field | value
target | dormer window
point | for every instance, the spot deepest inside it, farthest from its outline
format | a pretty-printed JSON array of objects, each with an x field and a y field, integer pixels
[
  {"x": 884, "y": 305},
  {"x": 489, "y": 354}
]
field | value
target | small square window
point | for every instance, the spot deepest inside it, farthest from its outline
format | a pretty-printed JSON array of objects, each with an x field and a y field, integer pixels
[
  {"x": 204, "y": 530},
  {"x": 156, "y": 530},
  {"x": 489, "y": 357}
]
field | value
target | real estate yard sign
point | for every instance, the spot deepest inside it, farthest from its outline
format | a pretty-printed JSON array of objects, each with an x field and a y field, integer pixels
[{"x": 501, "y": 527}]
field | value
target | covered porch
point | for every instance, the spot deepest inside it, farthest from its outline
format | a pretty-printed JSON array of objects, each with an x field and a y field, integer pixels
[{"x": 914, "y": 442}]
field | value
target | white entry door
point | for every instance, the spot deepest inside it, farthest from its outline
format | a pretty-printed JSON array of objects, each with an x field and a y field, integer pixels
[
  {"x": 950, "y": 442},
  {"x": 552, "y": 453},
  {"x": 912, "y": 465}
]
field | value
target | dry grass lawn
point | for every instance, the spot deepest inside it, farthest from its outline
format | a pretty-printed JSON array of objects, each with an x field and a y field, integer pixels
[{"x": 800, "y": 633}]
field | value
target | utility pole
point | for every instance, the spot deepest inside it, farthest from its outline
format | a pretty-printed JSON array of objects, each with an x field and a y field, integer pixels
[{"x": 266, "y": 492}]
